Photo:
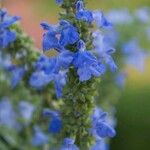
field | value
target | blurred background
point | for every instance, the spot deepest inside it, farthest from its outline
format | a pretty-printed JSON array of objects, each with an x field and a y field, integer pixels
[{"x": 133, "y": 107}]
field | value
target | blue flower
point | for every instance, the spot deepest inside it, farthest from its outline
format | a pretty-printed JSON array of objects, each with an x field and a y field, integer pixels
[
  {"x": 101, "y": 127},
  {"x": 86, "y": 63},
  {"x": 39, "y": 138},
  {"x": 39, "y": 79},
  {"x": 8, "y": 116},
  {"x": 69, "y": 33},
  {"x": 59, "y": 2},
  {"x": 69, "y": 145},
  {"x": 120, "y": 16},
  {"x": 82, "y": 13},
  {"x": 121, "y": 79},
  {"x": 26, "y": 110},
  {"x": 134, "y": 55},
  {"x": 59, "y": 81},
  {"x": 103, "y": 50},
  {"x": 58, "y": 36},
  {"x": 17, "y": 74},
  {"x": 100, "y": 145},
  {"x": 100, "y": 19},
  {"x": 143, "y": 14},
  {"x": 55, "y": 124},
  {"x": 6, "y": 36},
  {"x": 50, "y": 39}
]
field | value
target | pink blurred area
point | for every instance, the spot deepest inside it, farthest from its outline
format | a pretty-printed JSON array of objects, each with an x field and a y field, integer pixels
[{"x": 30, "y": 22}]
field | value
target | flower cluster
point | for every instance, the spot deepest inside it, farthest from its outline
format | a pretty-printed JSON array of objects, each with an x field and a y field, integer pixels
[{"x": 59, "y": 37}]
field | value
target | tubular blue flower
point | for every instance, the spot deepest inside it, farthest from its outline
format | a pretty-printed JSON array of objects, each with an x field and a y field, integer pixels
[
  {"x": 100, "y": 19},
  {"x": 8, "y": 116},
  {"x": 17, "y": 74},
  {"x": 69, "y": 145},
  {"x": 50, "y": 39},
  {"x": 59, "y": 2},
  {"x": 6, "y": 36},
  {"x": 143, "y": 14},
  {"x": 58, "y": 36},
  {"x": 101, "y": 127},
  {"x": 82, "y": 13},
  {"x": 134, "y": 55},
  {"x": 103, "y": 50},
  {"x": 120, "y": 16},
  {"x": 39, "y": 79},
  {"x": 69, "y": 33},
  {"x": 121, "y": 79},
  {"x": 55, "y": 124},
  {"x": 79, "y": 6},
  {"x": 86, "y": 63},
  {"x": 39, "y": 138},
  {"x": 59, "y": 81},
  {"x": 100, "y": 145},
  {"x": 26, "y": 110}
]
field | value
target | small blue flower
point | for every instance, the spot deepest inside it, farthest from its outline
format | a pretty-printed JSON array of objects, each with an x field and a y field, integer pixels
[
  {"x": 6, "y": 36},
  {"x": 100, "y": 19},
  {"x": 8, "y": 116},
  {"x": 120, "y": 16},
  {"x": 79, "y": 5},
  {"x": 59, "y": 2},
  {"x": 134, "y": 55},
  {"x": 59, "y": 81},
  {"x": 17, "y": 74},
  {"x": 39, "y": 79},
  {"x": 69, "y": 145},
  {"x": 55, "y": 124},
  {"x": 143, "y": 14},
  {"x": 50, "y": 39},
  {"x": 100, "y": 145},
  {"x": 103, "y": 50},
  {"x": 26, "y": 110},
  {"x": 86, "y": 63},
  {"x": 69, "y": 33},
  {"x": 39, "y": 138},
  {"x": 101, "y": 127},
  {"x": 82, "y": 13},
  {"x": 121, "y": 79}
]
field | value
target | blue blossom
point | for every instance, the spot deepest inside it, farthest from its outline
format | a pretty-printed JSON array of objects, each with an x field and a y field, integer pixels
[
  {"x": 100, "y": 19},
  {"x": 59, "y": 81},
  {"x": 103, "y": 50},
  {"x": 119, "y": 16},
  {"x": 53, "y": 65},
  {"x": 6, "y": 36},
  {"x": 39, "y": 138},
  {"x": 69, "y": 145},
  {"x": 86, "y": 63},
  {"x": 26, "y": 110},
  {"x": 17, "y": 74},
  {"x": 59, "y": 2},
  {"x": 121, "y": 79},
  {"x": 39, "y": 79},
  {"x": 8, "y": 116},
  {"x": 69, "y": 33},
  {"x": 55, "y": 124},
  {"x": 143, "y": 14},
  {"x": 101, "y": 127},
  {"x": 134, "y": 55},
  {"x": 58, "y": 36},
  {"x": 100, "y": 145},
  {"x": 82, "y": 13},
  {"x": 50, "y": 39}
]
